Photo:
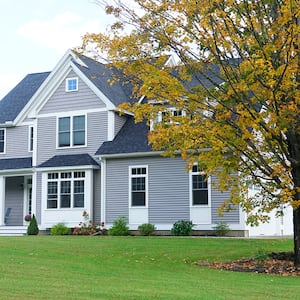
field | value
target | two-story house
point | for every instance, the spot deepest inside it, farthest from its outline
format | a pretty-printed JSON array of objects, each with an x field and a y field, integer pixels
[{"x": 65, "y": 149}]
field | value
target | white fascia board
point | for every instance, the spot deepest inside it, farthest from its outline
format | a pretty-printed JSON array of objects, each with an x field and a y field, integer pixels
[
  {"x": 130, "y": 155},
  {"x": 107, "y": 102},
  {"x": 16, "y": 172},
  {"x": 57, "y": 169}
]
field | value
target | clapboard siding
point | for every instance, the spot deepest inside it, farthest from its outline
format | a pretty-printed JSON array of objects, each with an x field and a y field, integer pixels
[
  {"x": 14, "y": 200},
  {"x": 116, "y": 190},
  {"x": 16, "y": 142},
  {"x": 97, "y": 196},
  {"x": 119, "y": 122},
  {"x": 218, "y": 198},
  {"x": 165, "y": 204},
  {"x": 168, "y": 192},
  {"x": 62, "y": 101},
  {"x": 96, "y": 135},
  {"x": 39, "y": 197}
]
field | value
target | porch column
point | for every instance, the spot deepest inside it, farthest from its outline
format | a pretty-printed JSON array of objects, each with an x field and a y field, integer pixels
[{"x": 2, "y": 199}]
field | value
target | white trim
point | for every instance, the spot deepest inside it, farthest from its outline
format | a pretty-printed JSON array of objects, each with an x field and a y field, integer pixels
[
  {"x": 2, "y": 199},
  {"x": 132, "y": 154},
  {"x": 66, "y": 168},
  {"x": 14, "y": 172},
  {"x": 67, "y": 84},
  {"x": 34, "y": 194},
  {"x": 191, "y": 173},
  {"x": 200, "y": 214},
  {"x": 35, "y": 144},
  {"x": 71, "y": 116},
  {"x": 138, "y": 176},
  {"x": 103, "y": 190},
  {"x": 5, "y": 140},
  {"x": 72, "y": 112},
  {"x": 110, "y": 125},
  {"x": 138, "y": 214}
]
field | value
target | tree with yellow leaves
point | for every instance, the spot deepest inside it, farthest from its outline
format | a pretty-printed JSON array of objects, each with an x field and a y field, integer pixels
[{"x": 237, "y": 81}]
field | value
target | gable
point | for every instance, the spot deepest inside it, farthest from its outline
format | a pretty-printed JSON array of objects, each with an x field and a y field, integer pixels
[{"x": 81, "y": 99}]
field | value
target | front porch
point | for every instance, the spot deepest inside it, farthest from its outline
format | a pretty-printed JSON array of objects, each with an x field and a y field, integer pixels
[{"x": 15, "y": 202}]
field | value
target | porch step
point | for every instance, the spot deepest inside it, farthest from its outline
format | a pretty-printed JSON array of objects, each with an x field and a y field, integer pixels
[{"x": 13, "y": 230}]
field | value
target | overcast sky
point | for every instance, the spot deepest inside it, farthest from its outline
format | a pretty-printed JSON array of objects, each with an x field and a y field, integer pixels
[{"x": 35, "y": 34}]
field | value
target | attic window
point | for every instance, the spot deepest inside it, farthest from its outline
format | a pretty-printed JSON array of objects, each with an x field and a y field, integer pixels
[{"x": 72, "y": 84}]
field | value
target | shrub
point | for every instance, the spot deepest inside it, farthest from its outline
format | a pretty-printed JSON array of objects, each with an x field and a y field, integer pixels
[
  {"x": 87, "y": 228},
  {"x": 221, "y": 229},
  {"x": 182, "y": 227},
  {"x": 146, "y": 229},
  {"x": 60, "y": 229},
  {"x": 33, "y": 228},
  {"x": 119, "y": 227}
]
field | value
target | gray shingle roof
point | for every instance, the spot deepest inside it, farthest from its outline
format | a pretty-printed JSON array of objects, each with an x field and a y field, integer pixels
[
  {"x": 132, "y": 138},
  {"x": 69, "y": 161},
  {"x": 12, "y": 104},
  {"x": 15, "y": 163},
  {"x": 100, "y": 74}
]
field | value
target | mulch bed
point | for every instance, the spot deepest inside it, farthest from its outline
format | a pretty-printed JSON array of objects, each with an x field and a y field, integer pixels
[{"x": 277, "y": 263}]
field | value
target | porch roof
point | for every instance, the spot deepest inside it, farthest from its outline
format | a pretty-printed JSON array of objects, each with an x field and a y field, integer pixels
[
  {"x": 69, "y": 161},
  {"x": 15, "y": 163}
]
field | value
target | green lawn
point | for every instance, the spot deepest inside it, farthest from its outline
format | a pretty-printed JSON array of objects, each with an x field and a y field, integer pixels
[{"x": 83, "y": 267}]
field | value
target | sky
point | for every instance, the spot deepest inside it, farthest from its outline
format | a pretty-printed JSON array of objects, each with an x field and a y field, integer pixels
[{"x": 35, "y": 34}]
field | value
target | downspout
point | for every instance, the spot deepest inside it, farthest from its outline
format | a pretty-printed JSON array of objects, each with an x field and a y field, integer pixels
[{"x": 103, "y": 190}]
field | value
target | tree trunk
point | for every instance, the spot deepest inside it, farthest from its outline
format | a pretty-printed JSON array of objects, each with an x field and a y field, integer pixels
[{"x": 296, "y": 237}]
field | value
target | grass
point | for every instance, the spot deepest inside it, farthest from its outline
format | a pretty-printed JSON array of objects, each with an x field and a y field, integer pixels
[{"x": 83, "y": 267}]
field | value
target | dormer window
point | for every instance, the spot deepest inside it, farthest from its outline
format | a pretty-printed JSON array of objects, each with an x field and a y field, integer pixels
[
  {"x": 72, "y": 84},
  {"x": 167, "y": 116}
]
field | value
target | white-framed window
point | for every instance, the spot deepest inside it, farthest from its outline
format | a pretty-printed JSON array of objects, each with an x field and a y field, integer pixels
[
  {"x": 167, "y": 116},
  {"x": 30, "y": 138},
  {"x": 138, "y": 186},
  {"x": 65, "y": 190},
  {"x": 200, "y": 187},
  {"x": 71, "y": 131},
  {"x": 2, "y": 140},
  {"x": 72, "y": 84}
]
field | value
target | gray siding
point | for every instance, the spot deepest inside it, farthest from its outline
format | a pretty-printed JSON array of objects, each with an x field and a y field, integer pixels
[
  {"x": 116, "y": 190},
  {"x": 16, "y": 142},
  {"x": 62, "y": 101},
  {"x": 119, "y": 122},
  {"x": 96, "y": 135},
  {"x": 218, "y": 198},
  {"x": 39, "y": 197},
  {"x": 97, "y": 196},
  {"x": 168, "y": 191},
  {"x": 14, "y": 198}
]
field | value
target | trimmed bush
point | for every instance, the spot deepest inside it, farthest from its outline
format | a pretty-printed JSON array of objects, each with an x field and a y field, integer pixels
[
  {"x": 221, "y": 229},
  {"x": 182, "y": 227},
  {"x": 146, "y": 229},
  {"x": 33, "y": 228},
  {"x": 119, "y": 227},
  {"x": 60, "y": 229}
]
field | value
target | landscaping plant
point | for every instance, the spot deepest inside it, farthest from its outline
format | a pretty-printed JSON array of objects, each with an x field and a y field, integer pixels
[
  {"x": 119, "y": 227},
  {"x": 146, "y": 229},
  {"x": 60, "y": 229},
  {"x": 182, "y": 227},
  {"x": 33, "y": 228}
]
